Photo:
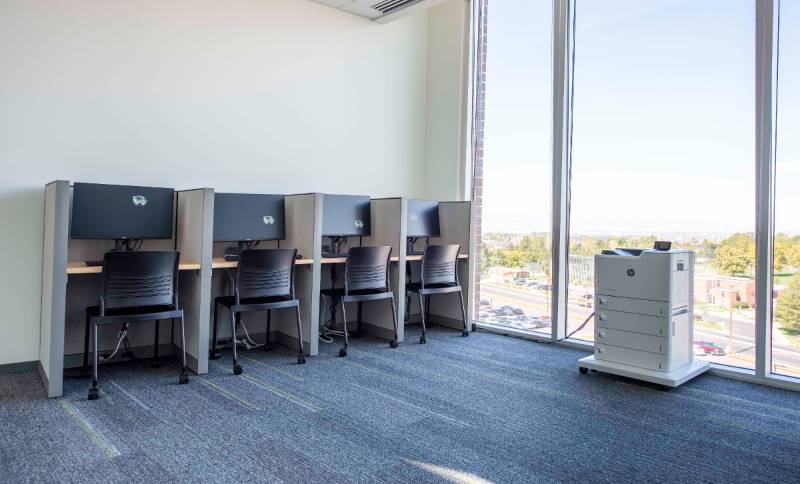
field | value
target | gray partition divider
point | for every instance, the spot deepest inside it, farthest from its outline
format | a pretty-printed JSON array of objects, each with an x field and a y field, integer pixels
[
  {"x": 54, "y": 286},
  {"x": 387, "y": 224},
  {"x": 193, "y": 238},
  {"x": 455, "y": 227}
]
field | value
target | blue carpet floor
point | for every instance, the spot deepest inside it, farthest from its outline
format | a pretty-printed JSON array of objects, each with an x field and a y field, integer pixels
[{"x": 483, "y": 408}]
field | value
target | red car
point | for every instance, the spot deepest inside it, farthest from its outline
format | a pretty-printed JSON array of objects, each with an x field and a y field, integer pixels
[{"x": 709, "y": 348}]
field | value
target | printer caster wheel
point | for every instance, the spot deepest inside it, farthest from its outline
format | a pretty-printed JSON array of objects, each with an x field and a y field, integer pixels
[
  {"x": 237, "y": 369},
  {"x": 393, "y": 344},
  {"x": 583, "y": 370}
]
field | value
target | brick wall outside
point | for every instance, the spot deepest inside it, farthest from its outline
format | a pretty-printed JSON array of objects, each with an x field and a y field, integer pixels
[{"x": 477, "y": 166}]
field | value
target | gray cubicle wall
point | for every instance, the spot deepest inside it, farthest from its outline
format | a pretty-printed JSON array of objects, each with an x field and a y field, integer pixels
[
  {"x": 388, "y": 221},
  {"x": 303, "y": 226},
  {"x": 193, "y": 238},
  {"x": 54, "y": 286},
  {"x": 455, "y": 227}
]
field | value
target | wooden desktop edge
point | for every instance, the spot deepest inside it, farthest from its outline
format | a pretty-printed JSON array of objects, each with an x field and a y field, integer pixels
[{"x": 80, "y": 267}]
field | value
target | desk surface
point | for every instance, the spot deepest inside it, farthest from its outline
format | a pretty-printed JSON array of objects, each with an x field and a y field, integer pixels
[
  {"x": 221, "y": 263},
  {"x": 80, "y": 267}
]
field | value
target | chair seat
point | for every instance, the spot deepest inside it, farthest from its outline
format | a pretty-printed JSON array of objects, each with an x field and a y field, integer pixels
[
  {"x": 257, "y": 303},
  {"x": 360, "y": 295},
  {"x": 433, "y": 288},
  {"x": 134, "y": 314}
]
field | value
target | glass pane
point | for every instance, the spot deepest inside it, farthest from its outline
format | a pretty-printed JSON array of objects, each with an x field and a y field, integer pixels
[
  {"x": 663, "y": 149},
  {"x": 515, "y": 211},
  {"x": 786, "y": 290}
]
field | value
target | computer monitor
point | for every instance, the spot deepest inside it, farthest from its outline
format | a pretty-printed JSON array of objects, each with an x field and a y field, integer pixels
[
  {"x": 344, "y": 216},
  {"x": 242, "y": 217},
  {"x": 422, "y": 221},
  {"x": 121, "y": 213}
]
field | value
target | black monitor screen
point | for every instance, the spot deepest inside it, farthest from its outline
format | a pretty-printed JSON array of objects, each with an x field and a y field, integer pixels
[
  {"x": 345, "y": 215},
  {"x": 121, "y": 212},
  {"x": 241, "y": 216},
  {"x": 423, "y": 218}
]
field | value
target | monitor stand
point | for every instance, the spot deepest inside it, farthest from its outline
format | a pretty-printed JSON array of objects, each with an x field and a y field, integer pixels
[
  {"x": 120, "y": 245},
  {"x": 232, "y": 254},
  {"x": 411, "y": 242},
  {"x": 336, "y": 246}
]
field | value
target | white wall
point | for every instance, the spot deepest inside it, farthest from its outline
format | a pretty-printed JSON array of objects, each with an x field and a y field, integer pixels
[
  {"x": 278, "y": 96},
  {"x": 447, "y": 64}
]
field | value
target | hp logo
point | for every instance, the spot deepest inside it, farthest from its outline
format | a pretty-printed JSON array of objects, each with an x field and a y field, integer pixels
[
  {"x": 413, "y": 216},
  {"x": 631, "y": 272},
  {"x": 359, "y": 223},
  {"x": 268, "y": 219},
  {"x": 139, "y": 200}
]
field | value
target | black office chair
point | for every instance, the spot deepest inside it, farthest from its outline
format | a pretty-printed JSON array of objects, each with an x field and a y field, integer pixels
[
  {"x": 264, "y": 281},
  {"x": 439, "y": 275},
  {"x": 137, "y": 286},
  {"x": 366, "y": 278}
]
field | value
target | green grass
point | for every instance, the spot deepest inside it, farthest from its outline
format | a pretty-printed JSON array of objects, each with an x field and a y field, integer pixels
[{"x": 792, "y": 335}]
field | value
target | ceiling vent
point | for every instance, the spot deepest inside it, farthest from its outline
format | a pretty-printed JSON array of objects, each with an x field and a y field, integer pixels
[{"x": 380, "y": 11}]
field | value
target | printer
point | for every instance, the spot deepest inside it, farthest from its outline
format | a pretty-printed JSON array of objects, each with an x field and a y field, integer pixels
[{"x": 644, "y": 315}]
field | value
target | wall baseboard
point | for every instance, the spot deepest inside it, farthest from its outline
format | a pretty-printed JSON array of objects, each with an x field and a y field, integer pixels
[{"x": 20, "y": 367}]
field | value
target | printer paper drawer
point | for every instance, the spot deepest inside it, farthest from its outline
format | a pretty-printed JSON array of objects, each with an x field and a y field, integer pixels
[
  {"x": 629, "y": 305},
  {"x": 627, "y": 339},
  {"x": 627, "y": 356},
  {"x": 638, "y": 323}
]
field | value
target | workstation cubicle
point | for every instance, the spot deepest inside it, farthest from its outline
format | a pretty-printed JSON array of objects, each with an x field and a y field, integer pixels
[{"x": 72, "y": 269}]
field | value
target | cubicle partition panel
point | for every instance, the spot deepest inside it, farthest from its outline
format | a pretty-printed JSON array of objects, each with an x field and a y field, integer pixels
[
  {"x": 455, "y": 227},
  {"x": 303, "y": 218},
  {"x": 54, "y": 286},
  {"x": 195, "y": 214},
  {"x": 387, "y": 219}
]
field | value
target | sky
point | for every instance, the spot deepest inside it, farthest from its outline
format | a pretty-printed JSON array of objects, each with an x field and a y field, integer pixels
[{"x": 663, "y": 124}]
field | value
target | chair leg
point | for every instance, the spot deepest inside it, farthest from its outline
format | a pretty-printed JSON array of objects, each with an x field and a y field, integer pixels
[
  {"x": 422, "y": 315},
  {"x": 393, "y": 343},
  {"x": 237, "y": 368},
  {"x": 156, "y": 363},
  {"x": 184, "y": 378},
  {"x": 343, "y": 351},
  {"x": 357, "y": 333},
  {"x": 87, "y": 333},
  {"x": 465, "y": 331},
  {"x": 301, "y": 357},
  {"x": 428, "y": 308},
  {"x": 93, "y": 389},
  {"x": 214, "y": 354},
  {"x": 267, "y": 346}
]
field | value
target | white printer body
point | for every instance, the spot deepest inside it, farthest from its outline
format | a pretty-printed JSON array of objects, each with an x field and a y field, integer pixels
[{"x": 644, "y": 311}]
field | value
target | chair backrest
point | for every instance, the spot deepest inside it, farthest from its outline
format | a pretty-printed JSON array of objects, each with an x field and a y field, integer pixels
[
  {"x": 265, "y": 273},
  {"x": 440, "y": 264},
  {"x": 367, "y": 268},
  {"x": 135, "y": 279}
]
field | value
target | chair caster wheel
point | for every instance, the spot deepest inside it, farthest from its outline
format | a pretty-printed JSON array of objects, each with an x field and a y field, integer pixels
[
  {"x": 93, "y": 394},
  {"x": 583, "y": 370},
  {"x": 184, "y": 379},
  {"x": 422, "y": 340},
  {"x": 393, "y": 344},
  {"x": 237, "y": 369},
  {"x": 301, "y": 360},
  {"x": 156, "y": 364},
  {"x": 214, "y": 355},
  {"x": 465, "y": 333},
  {"x": 342, "y": 352}
]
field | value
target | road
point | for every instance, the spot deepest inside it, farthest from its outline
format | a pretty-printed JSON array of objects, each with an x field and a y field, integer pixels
[{"x": 536, "y": 303}]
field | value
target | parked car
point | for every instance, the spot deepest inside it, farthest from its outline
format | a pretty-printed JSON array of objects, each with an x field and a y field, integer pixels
[
  {"x": 485, "y": 302},
  {"x": 710, "y": 348},
  {"x": 698, "y": 350}
]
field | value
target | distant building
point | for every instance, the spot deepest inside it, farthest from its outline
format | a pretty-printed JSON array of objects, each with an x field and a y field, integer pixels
[{"x": 723, "y": 290}]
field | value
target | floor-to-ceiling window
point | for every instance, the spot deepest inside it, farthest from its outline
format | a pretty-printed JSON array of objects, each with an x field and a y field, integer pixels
[
  {"x": 515, "y": 283},
  {"x": 786, "y": 262},
  {"x": 663, "y": 149}
]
